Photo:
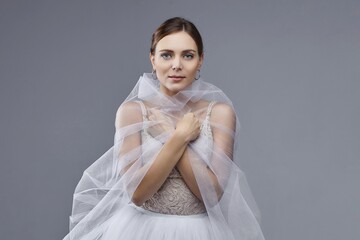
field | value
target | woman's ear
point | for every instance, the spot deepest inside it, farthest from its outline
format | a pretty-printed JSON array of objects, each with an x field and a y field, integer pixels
[
  {"x": 152, "y": 60},
  {"x": 201, "y": 60}
]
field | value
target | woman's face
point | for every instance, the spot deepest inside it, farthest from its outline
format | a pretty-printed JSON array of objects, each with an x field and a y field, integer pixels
[{"x": 176, "y": 61}]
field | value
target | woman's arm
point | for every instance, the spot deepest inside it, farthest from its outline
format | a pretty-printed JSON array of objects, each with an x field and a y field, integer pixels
[
  {"x": 224, "y": 116},
  {"x": 185, "y": 169},
  {"x": 187, "y": 129},
  {"x": 160, "y": 169}
]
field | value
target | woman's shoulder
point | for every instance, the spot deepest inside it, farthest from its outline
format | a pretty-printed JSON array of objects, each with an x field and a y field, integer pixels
[
  {"x": 215, "y": 106},
  {"x": 132, "y": 106},
  {"x": 223, "y": 113},
  {"x": 127, "y": 113},
  {"x": 223, "y": 108}
]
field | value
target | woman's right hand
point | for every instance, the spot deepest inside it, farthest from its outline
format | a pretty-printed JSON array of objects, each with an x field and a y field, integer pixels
[{"x": 188, "y": 127}]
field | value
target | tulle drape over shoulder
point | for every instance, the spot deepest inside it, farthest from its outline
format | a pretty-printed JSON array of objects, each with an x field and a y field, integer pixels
[{"x": 107, "y": 186}]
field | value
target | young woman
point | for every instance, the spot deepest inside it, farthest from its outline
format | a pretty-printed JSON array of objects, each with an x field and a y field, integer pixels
[{"x": 170, "y": 173}]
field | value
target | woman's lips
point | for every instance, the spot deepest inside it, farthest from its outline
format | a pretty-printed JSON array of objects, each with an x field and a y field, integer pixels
[{"x": 176, "y": 78}]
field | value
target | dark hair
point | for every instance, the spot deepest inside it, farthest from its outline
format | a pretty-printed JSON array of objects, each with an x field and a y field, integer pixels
[{"x": 173, "y": 25}]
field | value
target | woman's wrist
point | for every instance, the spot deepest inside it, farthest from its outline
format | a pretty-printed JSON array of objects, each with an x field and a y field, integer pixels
[{"x": 181, "y": 136}]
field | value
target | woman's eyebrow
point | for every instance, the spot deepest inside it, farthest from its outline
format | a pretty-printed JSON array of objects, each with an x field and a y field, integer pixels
[{"x": 186, "y": 50}]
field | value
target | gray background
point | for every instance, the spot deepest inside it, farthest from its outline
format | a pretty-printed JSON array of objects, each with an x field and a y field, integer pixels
[{"x": 290, "y": 67}]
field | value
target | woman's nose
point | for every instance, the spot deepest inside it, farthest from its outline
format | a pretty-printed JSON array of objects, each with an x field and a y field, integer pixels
[{"x": 177, "y": 64}]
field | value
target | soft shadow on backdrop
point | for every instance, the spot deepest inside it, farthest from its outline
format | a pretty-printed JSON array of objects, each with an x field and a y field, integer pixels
[{"x": 290, "y": 67}]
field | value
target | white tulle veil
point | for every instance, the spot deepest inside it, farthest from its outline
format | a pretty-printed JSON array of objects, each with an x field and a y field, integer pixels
[{"x": 108, "y": 184}]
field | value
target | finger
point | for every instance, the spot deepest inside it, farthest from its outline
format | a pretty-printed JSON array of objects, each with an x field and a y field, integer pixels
[
  {"x": 193, "y": 116},
  {"x": 197, "y": 122}
]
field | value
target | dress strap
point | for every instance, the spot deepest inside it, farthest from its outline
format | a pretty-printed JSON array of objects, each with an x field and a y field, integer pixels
[
  {"x": 210, "y": 107},
  {"x": 143, "y": 110},
  {"x": 206, "y": 126},
  {"x": 144, "y": 116}
]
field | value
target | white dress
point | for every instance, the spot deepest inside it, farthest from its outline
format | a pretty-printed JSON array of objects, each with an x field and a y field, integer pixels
[
  {"x": 174, "y": 212},
  {"x": 102, "y": 206}
]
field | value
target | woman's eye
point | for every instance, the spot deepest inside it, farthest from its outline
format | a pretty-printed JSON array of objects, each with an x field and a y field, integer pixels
[
  {"x": 166, "y": 56},
  {"x": 188, "y": 56}
]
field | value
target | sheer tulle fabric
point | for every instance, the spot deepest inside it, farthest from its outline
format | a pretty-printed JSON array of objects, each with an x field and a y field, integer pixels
[{"x": 102, "y": 206}]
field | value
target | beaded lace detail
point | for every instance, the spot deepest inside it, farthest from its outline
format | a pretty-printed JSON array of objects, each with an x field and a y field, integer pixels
[{"x": 174, "y": 197}]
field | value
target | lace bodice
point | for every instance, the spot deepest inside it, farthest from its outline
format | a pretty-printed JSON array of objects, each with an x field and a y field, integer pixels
[{"x": 174, "y": 196}]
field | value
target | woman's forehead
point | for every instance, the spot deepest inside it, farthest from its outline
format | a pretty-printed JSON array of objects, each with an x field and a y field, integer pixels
[{"x": 178, "y": 41}]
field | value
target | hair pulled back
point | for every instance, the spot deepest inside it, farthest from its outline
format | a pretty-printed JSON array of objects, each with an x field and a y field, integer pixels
[{"x": 173, "y": 25}]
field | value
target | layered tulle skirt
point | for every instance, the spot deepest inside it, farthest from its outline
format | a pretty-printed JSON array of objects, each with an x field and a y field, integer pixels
[{"x": 135, "y": 223}]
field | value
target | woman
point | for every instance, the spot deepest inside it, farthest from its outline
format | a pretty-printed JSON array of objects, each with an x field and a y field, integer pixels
[{"x": 170, "y": 173}]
